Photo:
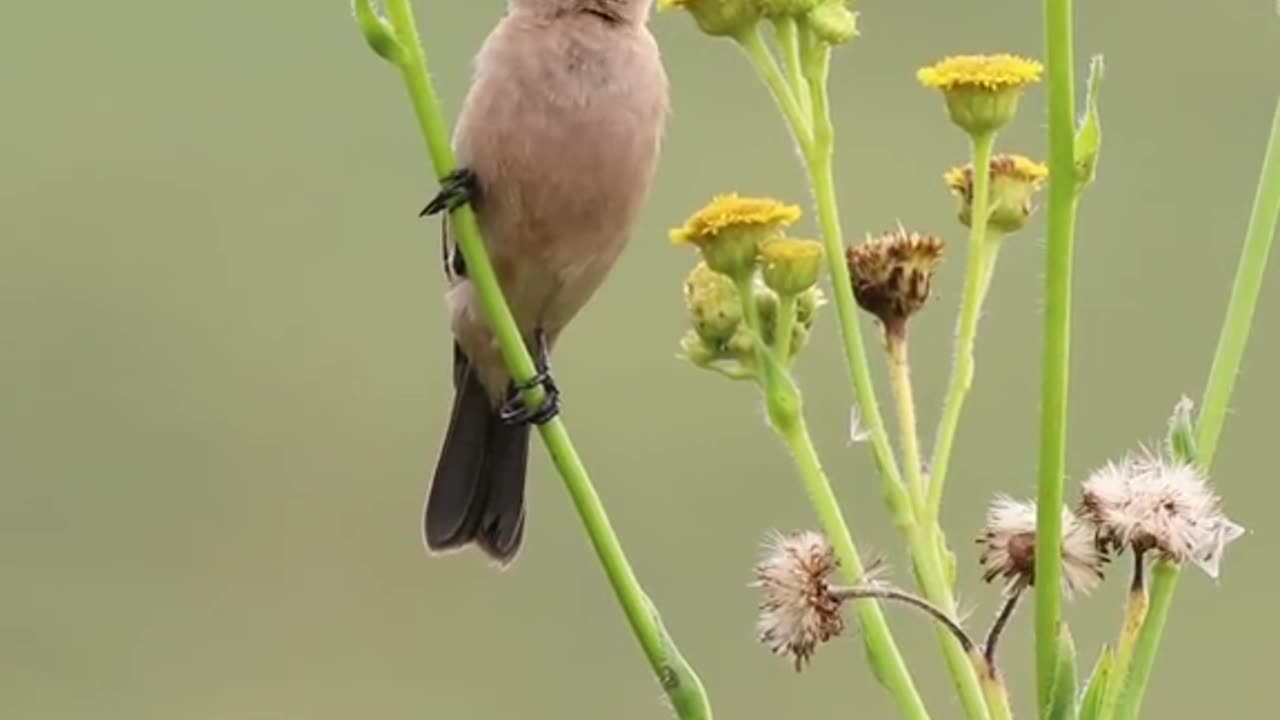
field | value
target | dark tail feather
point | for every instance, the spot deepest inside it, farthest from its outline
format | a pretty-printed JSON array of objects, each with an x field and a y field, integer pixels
[{"x": 477, "y": 494}]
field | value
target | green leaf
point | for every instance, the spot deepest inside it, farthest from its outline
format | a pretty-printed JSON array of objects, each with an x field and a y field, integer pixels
[
  {"x": 1062, "y": 704},
  {"x": 1182, "y": 432},
  {"x": 1091, "y": 702},
  {"x": 1088, "y": 141}
]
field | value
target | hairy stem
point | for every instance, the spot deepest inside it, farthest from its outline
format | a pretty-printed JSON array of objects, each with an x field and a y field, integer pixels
[
  {"x": 909, "y": 438},
  {"x": 677, "y": 677},
  {"x": 997, "y": 627},
  {"x": 977, "y": 277},
  {"x": 786, "y": 327},
  {"x": 788, "y": 33},
  {"x": 951, "y": 625},
  {"x": 766, "y": 66}
]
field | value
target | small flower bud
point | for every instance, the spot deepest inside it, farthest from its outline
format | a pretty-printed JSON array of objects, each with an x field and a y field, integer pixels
[
  {"x": 981, "y": 91},
  {"x": 695, "y": 349},
  {"x": 807, "y": 304},
  {"x": 892, "y": 275},
  {"x": 718, "y": 17},
  {"x": 791, "y": 266},
  {"x": 1014, "y": 180},
  {"x": 731, "y": 230},
  {"x": 833, "y": 23},
  {"x": 714, "y": 308}
]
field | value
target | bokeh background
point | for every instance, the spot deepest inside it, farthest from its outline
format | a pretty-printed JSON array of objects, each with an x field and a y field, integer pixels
[{"x": 224, "y": 369}]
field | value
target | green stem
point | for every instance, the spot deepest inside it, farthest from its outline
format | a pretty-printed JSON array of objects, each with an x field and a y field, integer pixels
[
  {"x": 1135, "y": 615},
  {"x": 788, "y": 34},
  {"x": 819, "y": 159},
  {"x": 977, "y": 275},
  {"x": 1055, "y": 357},
  {"x": 889, "y": 666},
  {"x": 766, "y": 66},
  {"x": 924, "y": 549},
  {"x": 1217, "y": 397},
  {"x": 677, "y": 678},
  {"x": 997, "y": 695},
  {"x": 786, "y": 327}
]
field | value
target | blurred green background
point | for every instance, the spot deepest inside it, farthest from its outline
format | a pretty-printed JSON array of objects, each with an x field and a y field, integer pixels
[{"x": 225, "y": 371}]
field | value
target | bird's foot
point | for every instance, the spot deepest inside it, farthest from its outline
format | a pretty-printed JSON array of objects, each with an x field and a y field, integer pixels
[
  {"x": 516, "y": 412},
  {"x": 456, "y": 189}
]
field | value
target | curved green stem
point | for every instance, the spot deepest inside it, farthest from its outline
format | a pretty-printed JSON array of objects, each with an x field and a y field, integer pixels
[
  {"x": 977, "y": 276},
  {"x": 677, "y": 677},
  {"x": 1217, "y": 397},
  {"x": 1055, "y": 356}
]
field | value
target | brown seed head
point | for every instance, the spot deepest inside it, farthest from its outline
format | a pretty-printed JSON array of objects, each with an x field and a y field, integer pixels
[
  {"x": 892, "y": 275},
  {"x": 798, "y": 611}
]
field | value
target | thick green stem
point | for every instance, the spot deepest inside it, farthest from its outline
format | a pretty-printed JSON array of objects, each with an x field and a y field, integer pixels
[
  {"x": 977, "y": 276},
  {"x": 1055, "y": 356},
  {"x": 1217, "y": 398},
  {"x": 677, "y": 678},
  {"x": 997, "y": 695}
]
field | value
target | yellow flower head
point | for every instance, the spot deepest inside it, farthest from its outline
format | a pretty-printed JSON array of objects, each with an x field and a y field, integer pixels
[
  {"x": 892, "y": 275},
  {"x": 981, "y": 91},
  {"x": 718, "y": 17},
  {"x": 1014, "y": 180},
  {"x": 790, "y": 266},
  {"x": 731, "y": 229}
]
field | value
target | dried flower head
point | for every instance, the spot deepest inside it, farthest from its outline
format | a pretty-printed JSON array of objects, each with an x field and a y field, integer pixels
[
  {"x": 981, "y": 91},
  {"x": 718, "y": 17},
  {"x": 1149, "y": 502},
  {"x": 892, "y": 275},
  {"x": 731, "y": 229},
  {"x": 1014, "y": 180},
  {"x": 798, "y": 611},
  {"x": 1009, "y": 548}
]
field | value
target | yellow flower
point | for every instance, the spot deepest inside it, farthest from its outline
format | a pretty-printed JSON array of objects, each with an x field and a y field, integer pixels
[
  {"x": 1014, "y": 180},
  {"x": 790, "y": 266},
  {"x": 981, "y": 91},
  {"x": 731, "y": 229},
  {"x": 718, "y": 17},
  {"x": 892, "y": 275}
]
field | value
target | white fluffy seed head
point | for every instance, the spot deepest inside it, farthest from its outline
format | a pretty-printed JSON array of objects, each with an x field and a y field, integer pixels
[
  {"x": 1149, "y": 502},
  {"x": 797, "y": 610},
  {"x": 1009, "y": 542}
]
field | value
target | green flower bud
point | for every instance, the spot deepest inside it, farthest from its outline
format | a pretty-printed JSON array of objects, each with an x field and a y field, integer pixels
[
  {"x": 718, "y": 17},
  {"x": 714, "y": 307},
  {"x": 833, "y": 23},
  {"x": 807, "y": 304},
  {"x": 791, "y": 266}
]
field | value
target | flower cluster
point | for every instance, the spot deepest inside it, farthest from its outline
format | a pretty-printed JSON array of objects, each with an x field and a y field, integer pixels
[{"x": 831, "y": 21}]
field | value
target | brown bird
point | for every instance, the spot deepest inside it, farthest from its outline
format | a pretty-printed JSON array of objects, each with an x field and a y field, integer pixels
[{"x": 557, "y": 145}]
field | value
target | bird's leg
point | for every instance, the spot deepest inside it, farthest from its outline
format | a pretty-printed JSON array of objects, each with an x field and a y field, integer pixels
[
  {"x": 456, "y": 189},
  {"x": 514, "y": 411}
]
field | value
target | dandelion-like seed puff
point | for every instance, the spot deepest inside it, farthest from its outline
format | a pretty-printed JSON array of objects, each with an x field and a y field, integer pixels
[
  {"x": 798, "y": 612},
  {"x": 1009, "y": 545},
  {"x": 1148, "y": 502}
]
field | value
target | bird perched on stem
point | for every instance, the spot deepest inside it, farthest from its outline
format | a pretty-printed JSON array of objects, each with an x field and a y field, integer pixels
[{"x": 557, "y": 145}]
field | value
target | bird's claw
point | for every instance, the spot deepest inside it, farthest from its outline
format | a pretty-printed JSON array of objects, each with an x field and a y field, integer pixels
[
  {"x": 515, "y": 412},
  {"x": 456, "y": 189}
]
